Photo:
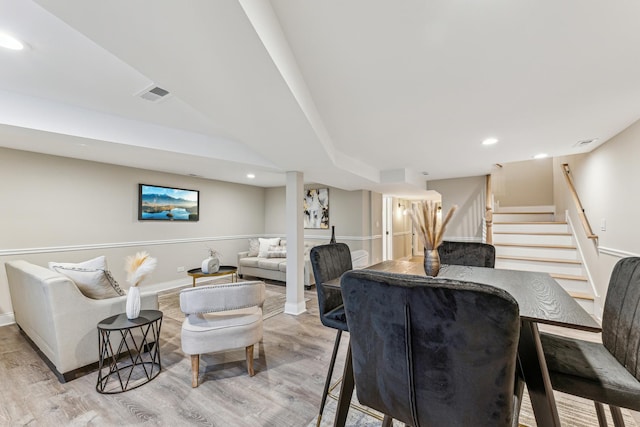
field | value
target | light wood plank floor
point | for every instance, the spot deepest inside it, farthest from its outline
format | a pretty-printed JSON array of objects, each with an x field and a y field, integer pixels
[{"x": 285, "y": 391}]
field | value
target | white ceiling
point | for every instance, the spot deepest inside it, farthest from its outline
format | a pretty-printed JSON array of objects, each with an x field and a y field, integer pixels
[{"x": 359, "y": 94}]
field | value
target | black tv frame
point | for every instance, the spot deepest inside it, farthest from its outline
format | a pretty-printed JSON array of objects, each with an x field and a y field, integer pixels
[{"x": 193, "y": 216}]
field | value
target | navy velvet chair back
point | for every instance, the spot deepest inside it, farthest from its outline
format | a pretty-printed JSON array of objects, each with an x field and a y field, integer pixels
[
  {"x": 474, "y": 254},
  {"x": 432, "y": 352},
  {"x": 621, "y": 316},
  {"x": 330, "y": 262}
]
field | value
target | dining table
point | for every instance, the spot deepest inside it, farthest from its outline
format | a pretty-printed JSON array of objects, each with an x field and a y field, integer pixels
[{"x": 541, "y": 300}]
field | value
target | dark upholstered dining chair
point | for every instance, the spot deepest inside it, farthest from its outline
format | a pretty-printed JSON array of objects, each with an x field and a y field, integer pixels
[
  {"x": 474, "y": 254},
  {"x": 606, "y": 373},
  {"x": 432, "y": 352},
  {"x": 330, "y": 262}
]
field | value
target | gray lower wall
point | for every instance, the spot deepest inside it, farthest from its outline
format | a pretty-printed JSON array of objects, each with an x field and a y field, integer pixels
[{"x": 62, "y": 209}]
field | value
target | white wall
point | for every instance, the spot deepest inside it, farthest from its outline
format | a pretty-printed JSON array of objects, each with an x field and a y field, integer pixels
[
  {"x": 528, "y": 183},
  {"x": 606, "y": 181},
  {"x": 61, "y": 209},
  {"x": 357, "y": 216},
  {"x": 468, "y": 193}
]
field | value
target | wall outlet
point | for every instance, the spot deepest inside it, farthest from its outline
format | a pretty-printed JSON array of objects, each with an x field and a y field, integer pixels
[
  {"x": 603, "y": 224},
  {"x": 180, "y": 269}
]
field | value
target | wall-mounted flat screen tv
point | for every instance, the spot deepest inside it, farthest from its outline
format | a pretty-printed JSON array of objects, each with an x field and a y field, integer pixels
[{"x": 158, "y": 203}]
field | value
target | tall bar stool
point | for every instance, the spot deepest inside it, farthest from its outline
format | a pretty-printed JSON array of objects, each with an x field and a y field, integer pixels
[{"x": 330, "y": 262}]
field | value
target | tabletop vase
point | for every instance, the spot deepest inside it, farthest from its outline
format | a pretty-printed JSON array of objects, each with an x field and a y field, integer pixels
[
  {"x": 431, "y": 262},
  {"x": 133, "y": 303}
]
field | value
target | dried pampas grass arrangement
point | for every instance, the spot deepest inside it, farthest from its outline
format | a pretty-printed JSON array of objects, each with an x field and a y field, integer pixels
[
  {"x": 138, "y": 267},
  {"x": 424, "y": 217}
]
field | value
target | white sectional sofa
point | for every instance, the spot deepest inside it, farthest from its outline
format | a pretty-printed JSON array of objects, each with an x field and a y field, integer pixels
[{"x": 58, "y": 319}]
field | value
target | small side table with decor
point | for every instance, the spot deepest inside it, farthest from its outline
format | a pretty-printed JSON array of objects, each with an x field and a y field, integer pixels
[
  {"x": 197, "y": 273},
  {"x": 131, "y": 357}
]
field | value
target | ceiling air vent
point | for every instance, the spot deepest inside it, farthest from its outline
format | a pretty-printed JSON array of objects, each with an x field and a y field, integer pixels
[
  {"x": 585, "y": 142},
  {"x": 153, "y": 94}
]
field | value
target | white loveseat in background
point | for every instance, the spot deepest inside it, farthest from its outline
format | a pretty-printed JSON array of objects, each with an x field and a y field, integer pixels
[
  {"x": 58, "y": 319},
  {"x": 276, "y": 268}
]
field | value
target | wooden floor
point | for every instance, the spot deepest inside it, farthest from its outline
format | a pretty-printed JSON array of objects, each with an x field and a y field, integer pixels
[{"x": 285, "y": 391}]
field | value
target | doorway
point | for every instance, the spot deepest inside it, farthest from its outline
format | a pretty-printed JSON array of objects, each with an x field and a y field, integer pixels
[{"x": 387, "y": 228}]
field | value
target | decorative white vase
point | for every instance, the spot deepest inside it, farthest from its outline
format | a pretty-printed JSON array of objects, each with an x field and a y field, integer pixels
[
  {"x": 210, "y": 265},
  {"x": 133, "y": 303}
]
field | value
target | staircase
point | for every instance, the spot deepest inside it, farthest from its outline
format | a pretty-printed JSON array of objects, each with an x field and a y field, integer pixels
[{"x": 530, "y": 239}]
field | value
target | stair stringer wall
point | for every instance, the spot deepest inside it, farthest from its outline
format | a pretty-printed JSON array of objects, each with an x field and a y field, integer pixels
[{"x": 598, "y": 303}]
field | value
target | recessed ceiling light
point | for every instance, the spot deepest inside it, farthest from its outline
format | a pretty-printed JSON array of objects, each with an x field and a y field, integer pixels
[
  {"x": 10, "y": 42},
  {"x": 250, "y": 176},
  {"x": 490, "y": 141},
  {"x": 540, "y": 156}
]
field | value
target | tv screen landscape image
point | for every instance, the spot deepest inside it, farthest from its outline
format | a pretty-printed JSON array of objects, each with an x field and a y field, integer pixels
[{"x": 167, "y": 204}]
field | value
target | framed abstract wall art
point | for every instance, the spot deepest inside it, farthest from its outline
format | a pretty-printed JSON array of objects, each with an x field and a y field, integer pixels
[{"x": 316, "y": 208}]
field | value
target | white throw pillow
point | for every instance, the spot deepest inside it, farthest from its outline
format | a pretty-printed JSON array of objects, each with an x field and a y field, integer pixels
[
  {"x": 92, "y": 277},
  {"x": 254, "y": 247},
  {"x": 264, "y": 246}
]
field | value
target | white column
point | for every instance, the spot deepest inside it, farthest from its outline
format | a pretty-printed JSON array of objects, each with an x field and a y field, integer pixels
[{"x": 295, "y": 245}]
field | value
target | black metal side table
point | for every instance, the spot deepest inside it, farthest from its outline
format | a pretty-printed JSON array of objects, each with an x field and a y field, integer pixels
[{"x": 131, "y": 357}]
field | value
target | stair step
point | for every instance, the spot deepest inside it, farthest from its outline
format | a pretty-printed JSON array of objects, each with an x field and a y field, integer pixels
[
  {"x": 532, "y": 222},
  {"x": 532, "y": 233},
  {"x": 530, "y": 250},
  {"x": 568, "y": 277},
  {"x": 536, "y": 245},
  {"x": 523, "y": 216},
  {"x": 521, "y": 258},
  {"x": 523, "y": 212},
  {"x": 580, "y": 295},
  {"x": 524, "y": 237},
  {"x": 587, "y": 305},
  {"x": 534, "y": 209}
]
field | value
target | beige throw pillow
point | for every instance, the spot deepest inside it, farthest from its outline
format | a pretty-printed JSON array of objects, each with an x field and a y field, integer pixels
[
  {"x": 254, "y": 247},
  {"x": 277, "y": 252},
  {"x": 92, "y": 277}
]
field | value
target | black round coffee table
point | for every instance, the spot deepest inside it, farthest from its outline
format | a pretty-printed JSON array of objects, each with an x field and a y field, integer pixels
[{"x": 131, "y": 356}]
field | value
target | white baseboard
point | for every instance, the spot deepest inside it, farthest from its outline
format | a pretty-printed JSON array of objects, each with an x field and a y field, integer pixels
[
  {"x": 173, "y": 284},
  {"x": 7, "y": 319},
  {"x": 165, "y": 286}
]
